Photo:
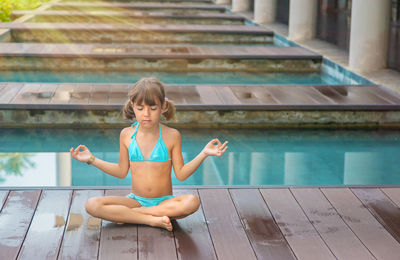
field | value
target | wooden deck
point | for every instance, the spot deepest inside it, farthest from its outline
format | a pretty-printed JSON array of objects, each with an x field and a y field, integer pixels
[
  {"x": 236, "y": 223},
  {"x": 201, "y": 97}
]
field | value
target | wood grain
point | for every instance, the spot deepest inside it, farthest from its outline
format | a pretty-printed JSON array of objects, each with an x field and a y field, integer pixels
[
  {"x": 297, "y": 229},
  {"x": 229, "y": 238},
  {"x": 264, "y": 234},
  {"x": 15, "y": 219},
  {"x": 45, "y": 233}
]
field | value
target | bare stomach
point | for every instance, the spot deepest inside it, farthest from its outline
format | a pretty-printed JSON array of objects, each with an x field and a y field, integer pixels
[{"x": 151, "y": 179}]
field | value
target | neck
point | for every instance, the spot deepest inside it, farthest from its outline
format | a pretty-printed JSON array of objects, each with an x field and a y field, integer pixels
[{"x": 149, "y": 130}]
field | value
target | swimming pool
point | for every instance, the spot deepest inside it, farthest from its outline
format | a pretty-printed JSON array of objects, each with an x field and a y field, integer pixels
[
  {"x": 171, "y": 78},
  {"x": 255, "y": 157}
]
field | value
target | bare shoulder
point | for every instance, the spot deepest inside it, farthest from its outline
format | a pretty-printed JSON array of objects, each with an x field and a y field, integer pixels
[
  {"x": 170, "y": 133},
  {"x": 125, "y": 131}
]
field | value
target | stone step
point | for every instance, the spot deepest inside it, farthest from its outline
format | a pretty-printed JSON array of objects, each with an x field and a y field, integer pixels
[
  {"x": 135, "y": 17},
  {"x": 128, "y": 57}
]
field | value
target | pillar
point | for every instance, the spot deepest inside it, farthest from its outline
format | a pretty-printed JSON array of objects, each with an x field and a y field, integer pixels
[
  {"x": 369, "y": 36},
  {"x": 240, "y": 5},
  {"x": 302, "y": 19},
  {"x": 264, "y": 11}
]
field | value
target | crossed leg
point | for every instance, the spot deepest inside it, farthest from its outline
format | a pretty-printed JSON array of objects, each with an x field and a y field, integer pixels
[
  {"x": 127, "y": 210},
  {"x": 119, "y": 210}
]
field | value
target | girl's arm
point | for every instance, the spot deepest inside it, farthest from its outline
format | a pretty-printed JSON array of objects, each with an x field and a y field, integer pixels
[
  {"x": 183, "y": 171},
  {"x": 119, "y": 170}
]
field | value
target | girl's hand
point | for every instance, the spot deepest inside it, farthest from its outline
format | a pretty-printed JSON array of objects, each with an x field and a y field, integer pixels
[
  {"x": 82, "y": 156},
  {"x": 215, "y": 148}
]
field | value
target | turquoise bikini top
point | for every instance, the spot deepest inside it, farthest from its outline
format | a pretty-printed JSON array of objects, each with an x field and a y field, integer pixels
[{"x": 159, "y": 153}]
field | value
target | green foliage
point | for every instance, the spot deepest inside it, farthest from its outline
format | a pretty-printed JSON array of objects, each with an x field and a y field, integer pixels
[
  {"x": 5, "y": 10},
  {"x": 14, "y": 164},
  {"x": 7, "y": 6}
]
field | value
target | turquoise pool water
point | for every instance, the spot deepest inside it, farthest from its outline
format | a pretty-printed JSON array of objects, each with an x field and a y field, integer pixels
[
  {"x": 170, "y": 78},
  {"x": 39, "y": 157}
]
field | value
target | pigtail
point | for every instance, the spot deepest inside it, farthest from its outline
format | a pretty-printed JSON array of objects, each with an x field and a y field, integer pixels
[
  {"x": 169, "y": 111},
  {"x": 127, "y": 111}
]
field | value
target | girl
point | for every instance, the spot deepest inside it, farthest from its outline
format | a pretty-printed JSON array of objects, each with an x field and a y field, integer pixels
[{"x": 148, "y": 149}]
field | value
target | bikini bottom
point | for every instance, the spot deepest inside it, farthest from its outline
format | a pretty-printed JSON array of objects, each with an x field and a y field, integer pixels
[{"x": 148, "y": 202}]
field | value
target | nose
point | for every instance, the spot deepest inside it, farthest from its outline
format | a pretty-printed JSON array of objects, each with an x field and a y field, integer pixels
[{"x": 146, "y": 111}]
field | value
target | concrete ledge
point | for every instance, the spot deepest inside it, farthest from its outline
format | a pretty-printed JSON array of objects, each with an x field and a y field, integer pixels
[
  {"x": 206, "y": 119},
  {"x": 42, "y": 15},
  {"x": 190, "y": 8},
  {"x": 158, "y": 64}
]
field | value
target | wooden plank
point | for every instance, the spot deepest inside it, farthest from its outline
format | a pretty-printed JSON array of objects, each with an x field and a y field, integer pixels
[
  {"x": 393, "y": 194},
  {"x": 26, "y": 93},
  {"x": 192, "y": 238},
  {"x": 44, "y": 236},
  {"x": 208, "y": 95},
  {"x": 118, "y": 241},
  {"x": 62, "y": 94},
  {"x": 226, "y": 95},
  {"x": 304, "y": 240},
  {"x": 9, "y": 92},
  {"x": 3, "y": 198},
  {"x": 264, "y": 234},
  {"x": 229, "y": 238},
  {"x": 371, "y": 233},
  {"x": 14, "y": 221},
  {"x": 81, "y": 238},
  {"x": 156, "y": 243},
  {"x": 343, "y": 243},
  {"x": 384, "y": 210}
]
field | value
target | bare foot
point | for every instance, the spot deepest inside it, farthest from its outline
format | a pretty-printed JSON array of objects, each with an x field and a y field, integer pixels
[{"x": 163, "y": 222}]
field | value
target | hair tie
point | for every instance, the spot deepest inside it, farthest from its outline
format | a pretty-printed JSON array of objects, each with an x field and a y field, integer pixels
[{"x": 166, "y": 99}]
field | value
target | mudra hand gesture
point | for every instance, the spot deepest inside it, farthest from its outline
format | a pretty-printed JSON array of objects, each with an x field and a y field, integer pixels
[
  {"x": 82, "y": 156},
  {"x": 215, "y": 148}
]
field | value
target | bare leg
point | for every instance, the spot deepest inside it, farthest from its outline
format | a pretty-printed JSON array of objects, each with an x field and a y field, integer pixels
[
  {"x": 177, "y": 207},
  {"x": 119, "y": 209}
]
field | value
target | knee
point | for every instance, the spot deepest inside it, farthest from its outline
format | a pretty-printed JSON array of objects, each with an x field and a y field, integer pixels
[
  {"x": 192, "y": 204},
  {"x": 93, "y": 206}
]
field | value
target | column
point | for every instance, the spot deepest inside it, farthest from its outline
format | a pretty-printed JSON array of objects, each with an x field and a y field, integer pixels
[
  {"x": 302, "y": 19},
  {"x": 240, "y": 5},
  {"x": 264, "y": 11},
  {"x": 369, "y": 36}
]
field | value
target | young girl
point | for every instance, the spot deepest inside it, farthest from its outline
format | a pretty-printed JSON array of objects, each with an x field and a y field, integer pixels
[{"x": 148, "y": 149}]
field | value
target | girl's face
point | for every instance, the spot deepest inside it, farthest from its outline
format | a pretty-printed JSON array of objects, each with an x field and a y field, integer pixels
[{"x": 148, "y": 115}]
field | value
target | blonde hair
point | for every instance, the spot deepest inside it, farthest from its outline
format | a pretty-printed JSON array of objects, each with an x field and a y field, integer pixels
[{"x": 147, "y": 90}]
